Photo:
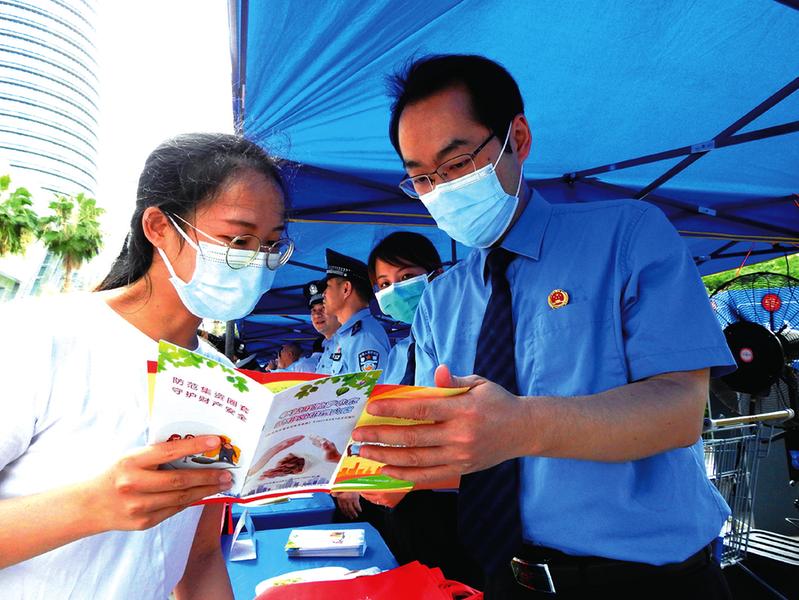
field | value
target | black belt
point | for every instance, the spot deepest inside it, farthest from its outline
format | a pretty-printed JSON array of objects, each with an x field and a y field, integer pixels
[{"x": 546, "y": 570}]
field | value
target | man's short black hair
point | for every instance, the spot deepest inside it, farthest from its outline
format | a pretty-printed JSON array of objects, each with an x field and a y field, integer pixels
[
  {"x": 362, "y": 287},
  {"x": 494, "y": 93}
]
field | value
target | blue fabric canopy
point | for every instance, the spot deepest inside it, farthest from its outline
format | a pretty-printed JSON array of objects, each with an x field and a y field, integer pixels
[{"x": 688, "y": 105}]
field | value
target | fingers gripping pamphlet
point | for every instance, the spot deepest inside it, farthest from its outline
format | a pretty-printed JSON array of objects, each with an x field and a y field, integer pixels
[{"x": 281, "y": 433}]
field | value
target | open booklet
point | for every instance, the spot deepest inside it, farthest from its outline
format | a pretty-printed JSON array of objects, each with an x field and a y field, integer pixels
[{"x": 282, "y": 433}]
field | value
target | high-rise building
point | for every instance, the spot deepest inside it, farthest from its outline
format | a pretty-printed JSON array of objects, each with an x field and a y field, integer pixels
[{"x": 48, "y": 100}]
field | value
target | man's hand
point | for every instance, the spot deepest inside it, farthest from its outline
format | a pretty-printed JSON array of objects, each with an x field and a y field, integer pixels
[
  {"x": 471, "y": 431},
  {"x": 134, "y": 494}
]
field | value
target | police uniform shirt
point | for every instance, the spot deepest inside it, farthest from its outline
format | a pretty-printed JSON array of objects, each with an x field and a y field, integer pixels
[
  {"x": 306, "y": 364},
  {"x": 362, "y": 344},
  {"x": 331, "y": 355},
  {"x": 629, "y": 305},
  {"x": 397, "y": 362}
]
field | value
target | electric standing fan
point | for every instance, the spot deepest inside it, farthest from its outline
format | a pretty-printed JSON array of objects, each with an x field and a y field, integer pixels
[{"x": 759, "y": 313}]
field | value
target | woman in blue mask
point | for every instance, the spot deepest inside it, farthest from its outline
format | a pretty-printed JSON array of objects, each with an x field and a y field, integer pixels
[
  {"x": 90, "y": 512},
  {"x": 422, "y": 525},
  {"x": 400, "y": 268}
]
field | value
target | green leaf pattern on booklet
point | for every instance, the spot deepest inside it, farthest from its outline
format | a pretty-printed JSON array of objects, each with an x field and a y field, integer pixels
[
  {"x": 169, "y": 354},
  {"x": 346, "y": 383}
]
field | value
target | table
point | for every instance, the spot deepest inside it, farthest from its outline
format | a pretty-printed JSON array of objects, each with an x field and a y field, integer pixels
[
  {"x": 272, "y": 559},
  {"x": 294, "y": 512}
]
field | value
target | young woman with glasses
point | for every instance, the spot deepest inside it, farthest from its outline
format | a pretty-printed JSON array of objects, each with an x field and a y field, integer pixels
[{"x": 84, "y": 510}]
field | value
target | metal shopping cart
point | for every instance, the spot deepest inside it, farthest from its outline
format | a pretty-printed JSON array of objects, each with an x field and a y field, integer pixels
[{"x": 733, "y": 448}]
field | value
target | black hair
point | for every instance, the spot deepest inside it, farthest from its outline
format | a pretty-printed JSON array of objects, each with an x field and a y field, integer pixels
[
  {"x": 494, "y": 94},
  {"x": 362, "y": 287},
  {"x": 292, "y": 347},
  {"x": 404, "y": 249},
  {"x": 178, "y": 176}
]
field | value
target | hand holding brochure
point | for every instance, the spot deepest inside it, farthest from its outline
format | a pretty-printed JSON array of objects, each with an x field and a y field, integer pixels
[{"x": 281, "y": 434}]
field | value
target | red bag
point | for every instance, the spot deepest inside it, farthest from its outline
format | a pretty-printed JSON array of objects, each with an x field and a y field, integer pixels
[{"x": 413, "y": 580}]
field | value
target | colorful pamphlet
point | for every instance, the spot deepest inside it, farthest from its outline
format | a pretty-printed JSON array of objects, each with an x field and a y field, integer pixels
[
  {"x": 326, "y": 542},
  {"x": 282, "y": 434}
]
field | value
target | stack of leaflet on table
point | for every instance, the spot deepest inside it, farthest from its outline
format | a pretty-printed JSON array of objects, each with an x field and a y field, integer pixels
[{"x": 326, "y": 542}]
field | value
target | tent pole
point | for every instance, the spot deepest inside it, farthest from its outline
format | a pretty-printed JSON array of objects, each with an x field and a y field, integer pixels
[
  {"x": 753, "y": 114},
  {"x": 238, "y": 11},
  {"x": 733, "y": 140},
  {"x": 229, "y": 333},
  {"x": 696, "y": 209}
]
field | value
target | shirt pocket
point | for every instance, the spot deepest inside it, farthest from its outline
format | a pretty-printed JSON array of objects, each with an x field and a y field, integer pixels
[{"x": 574, "y": 351}]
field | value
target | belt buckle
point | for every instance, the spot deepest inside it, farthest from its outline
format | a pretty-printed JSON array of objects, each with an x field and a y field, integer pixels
[{"x": 533, "y": 576}]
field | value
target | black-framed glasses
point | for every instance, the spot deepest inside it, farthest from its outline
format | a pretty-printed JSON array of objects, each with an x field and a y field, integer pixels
[
  {"x": 247, "y": 250},
  {"x": 454, "y": 168}
]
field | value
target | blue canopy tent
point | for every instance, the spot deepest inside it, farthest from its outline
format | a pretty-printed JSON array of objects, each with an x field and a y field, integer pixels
[{"x": 688, "y": 105}]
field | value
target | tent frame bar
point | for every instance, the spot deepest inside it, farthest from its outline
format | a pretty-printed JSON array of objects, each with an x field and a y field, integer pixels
[
  {"x": 696, "y": 209},
  {"x": 753, "y": 114},
  {"x": 733, "y": 140}
]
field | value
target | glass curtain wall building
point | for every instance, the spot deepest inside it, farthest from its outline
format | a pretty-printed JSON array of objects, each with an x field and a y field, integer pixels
[{"x": 48, "y": 114}]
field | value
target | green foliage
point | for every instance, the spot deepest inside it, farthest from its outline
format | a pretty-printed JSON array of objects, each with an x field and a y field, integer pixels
[
  {"x": 19, "y": 223},
  {"x": 72, "y": 235},
  {"x": 776, "y": 265},
  {"x": 346, "y": 383},
  {"x": 169, "y": 354}
]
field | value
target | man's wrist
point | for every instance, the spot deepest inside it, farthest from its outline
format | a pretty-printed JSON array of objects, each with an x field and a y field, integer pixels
[{"x": 531, "y": 430}]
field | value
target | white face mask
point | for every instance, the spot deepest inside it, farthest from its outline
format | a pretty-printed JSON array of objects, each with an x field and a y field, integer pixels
[
  {"x": 474, "y": 209},
  {"x": 399, "y": 300},
  {"x": 216, "y": 291}
]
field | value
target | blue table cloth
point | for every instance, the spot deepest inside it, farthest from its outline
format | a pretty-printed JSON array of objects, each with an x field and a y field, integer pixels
[
  {"x": 294, "y": 512},
  {"x": 272, "y": 559}
]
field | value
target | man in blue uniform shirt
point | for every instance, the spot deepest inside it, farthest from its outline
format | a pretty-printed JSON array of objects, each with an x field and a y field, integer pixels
[
  {"x": 610, "y": 346},
  {"x": 326, "y": 325},
  {"x": 362, "y": 342}
]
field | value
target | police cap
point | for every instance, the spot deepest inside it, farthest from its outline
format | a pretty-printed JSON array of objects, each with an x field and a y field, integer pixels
[
  {"x": 347, "y": 267},
  {"x": 314, "y": 291}
]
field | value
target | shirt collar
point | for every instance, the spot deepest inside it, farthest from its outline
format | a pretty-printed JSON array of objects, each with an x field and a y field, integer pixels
[
  {"x": 364, "y": 312},
  {"x": 527, "y": 234}
]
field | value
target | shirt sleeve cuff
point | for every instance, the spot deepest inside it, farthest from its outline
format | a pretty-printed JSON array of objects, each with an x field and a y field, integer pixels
[{"x": 717, "y": 358}]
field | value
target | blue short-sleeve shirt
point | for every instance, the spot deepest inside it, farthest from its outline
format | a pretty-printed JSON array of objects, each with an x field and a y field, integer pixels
[
  {"x": 362, "y": 344},
  {"x": 636, "y": 308},
  {"x": 330, "y": 355}
]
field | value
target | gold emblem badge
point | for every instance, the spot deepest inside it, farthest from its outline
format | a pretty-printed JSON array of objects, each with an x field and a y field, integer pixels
[{"x": 558, "y": 298}]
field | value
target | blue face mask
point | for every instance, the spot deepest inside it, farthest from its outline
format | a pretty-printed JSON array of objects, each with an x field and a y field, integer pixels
[
  {"x": 216, "y": 291},
  {"x": 474, "y": 209},
  {"x": 399, "y": 300}
]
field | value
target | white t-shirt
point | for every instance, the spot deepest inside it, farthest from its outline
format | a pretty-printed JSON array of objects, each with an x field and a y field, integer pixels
[{"x": 74, "y": 401}]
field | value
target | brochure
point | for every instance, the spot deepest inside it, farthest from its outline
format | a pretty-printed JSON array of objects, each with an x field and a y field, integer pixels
[
  {"x": 326, "y": 542},
  {"x": 282, "y": 434}
]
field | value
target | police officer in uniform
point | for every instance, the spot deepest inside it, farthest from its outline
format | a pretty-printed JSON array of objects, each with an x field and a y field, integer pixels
[
  {"x": 326, "y": 325},
  {"x": 362, "y": 343}
]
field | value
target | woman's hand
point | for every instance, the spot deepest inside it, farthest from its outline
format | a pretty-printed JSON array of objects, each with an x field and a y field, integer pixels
[
  {"x": 349, "y": 503},
  {"x": 134, "y": 494}
]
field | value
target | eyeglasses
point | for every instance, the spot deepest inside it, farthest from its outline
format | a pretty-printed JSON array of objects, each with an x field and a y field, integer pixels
[
  {"x": 455, "y": 168},
  {"x": 247, "y": 250}
]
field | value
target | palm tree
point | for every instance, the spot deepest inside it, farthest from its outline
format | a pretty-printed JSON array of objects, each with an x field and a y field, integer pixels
[
  {"x": 19, "y": 223},
  {"x": 73, "y": 236}
]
